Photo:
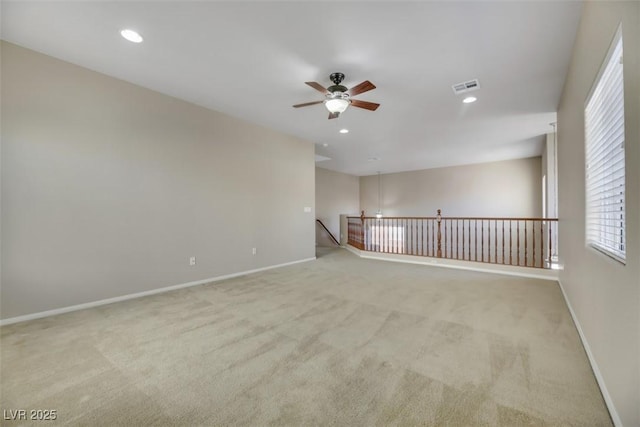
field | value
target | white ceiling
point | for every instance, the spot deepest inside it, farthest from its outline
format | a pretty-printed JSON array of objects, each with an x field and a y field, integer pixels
[{"x": 251, "y": 59}]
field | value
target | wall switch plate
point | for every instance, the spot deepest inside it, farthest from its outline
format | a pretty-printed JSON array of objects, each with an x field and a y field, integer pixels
[
  {"x": 307, "y": 209},
  {"x": 192, "y": 260},
  {"x": 254, "y": 251}
]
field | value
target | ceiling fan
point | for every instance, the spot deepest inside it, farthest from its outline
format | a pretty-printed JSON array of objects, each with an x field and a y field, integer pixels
[{"x": 338, "y": 97}]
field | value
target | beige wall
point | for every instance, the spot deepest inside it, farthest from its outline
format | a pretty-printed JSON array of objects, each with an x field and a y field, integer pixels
[
  {"x": 109, "y": 188},
  {"x": 549, "y": 168},
  {"x": 336, "y": 193},
  {"x": 507, "y": 188},
  {"x": 604, "y": 294}
]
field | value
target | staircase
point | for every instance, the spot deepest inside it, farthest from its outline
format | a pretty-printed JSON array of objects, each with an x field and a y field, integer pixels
[{"x": 331, "y": 236}]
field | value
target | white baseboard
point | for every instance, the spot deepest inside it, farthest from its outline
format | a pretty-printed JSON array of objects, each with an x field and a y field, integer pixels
[
  {"x": 594, "y": 366},
  {"x": 91, "y": 304},
  {"x": 457, "y": 264}
]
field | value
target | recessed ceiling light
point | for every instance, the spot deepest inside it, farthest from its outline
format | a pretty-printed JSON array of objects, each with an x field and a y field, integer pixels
[
  {"x": 325, "y": 145},
  {"x": 373, "y": 159},
  {"x": 469, "y": 99},
  {"x": 344, "y": 130},
  {"x": 131, "y": 35}
]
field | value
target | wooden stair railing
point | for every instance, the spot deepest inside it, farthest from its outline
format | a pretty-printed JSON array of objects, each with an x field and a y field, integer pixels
[
  {"x": 328, "y": 232},
  {"x": 524, "y": 242}
]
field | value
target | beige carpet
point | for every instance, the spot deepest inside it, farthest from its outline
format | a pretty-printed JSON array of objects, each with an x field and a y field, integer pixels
[{"x": 338, "y": 341}]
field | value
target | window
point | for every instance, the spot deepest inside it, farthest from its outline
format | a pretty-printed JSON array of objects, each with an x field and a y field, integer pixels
[{"x": 604, "y": 140}]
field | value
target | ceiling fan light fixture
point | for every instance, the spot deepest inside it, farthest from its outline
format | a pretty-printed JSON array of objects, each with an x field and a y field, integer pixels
[{"x": 336, "y": 105}]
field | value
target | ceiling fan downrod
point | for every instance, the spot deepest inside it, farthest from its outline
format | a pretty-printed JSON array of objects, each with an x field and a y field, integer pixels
[{"x": 336, "y": 78}]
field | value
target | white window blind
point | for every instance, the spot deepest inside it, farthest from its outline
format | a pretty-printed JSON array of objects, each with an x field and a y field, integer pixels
[{"x": 605, "y": 174}]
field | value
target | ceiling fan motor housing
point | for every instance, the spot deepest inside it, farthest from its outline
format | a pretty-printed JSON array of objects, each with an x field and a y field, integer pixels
[{"x": 337, "y": 88}]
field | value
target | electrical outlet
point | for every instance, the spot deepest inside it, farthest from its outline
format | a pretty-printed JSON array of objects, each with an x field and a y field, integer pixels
[
  {"x": 192, "y": 260},
  {"x": 254, "y": 251}
]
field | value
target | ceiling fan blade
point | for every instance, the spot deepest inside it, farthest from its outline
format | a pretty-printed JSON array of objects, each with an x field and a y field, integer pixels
[
  {"x": 306, "y": 104},
  {"x": 334, "y": 115},
  {"x": 361, "y": 88},
  {"x": 364, "y": 104},
  {"x": 318, "y": 87}
]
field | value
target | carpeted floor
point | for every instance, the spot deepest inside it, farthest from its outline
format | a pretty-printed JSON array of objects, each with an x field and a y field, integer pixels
[{"x": 338, "y": 341}]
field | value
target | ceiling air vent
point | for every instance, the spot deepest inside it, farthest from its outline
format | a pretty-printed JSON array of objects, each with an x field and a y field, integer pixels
[{"x": 463, "y": 87}]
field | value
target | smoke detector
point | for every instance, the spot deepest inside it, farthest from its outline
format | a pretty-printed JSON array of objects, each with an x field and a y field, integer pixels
[{"x": 465, "y": 87}]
